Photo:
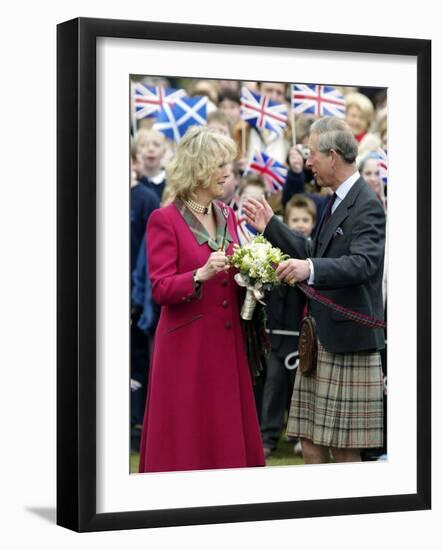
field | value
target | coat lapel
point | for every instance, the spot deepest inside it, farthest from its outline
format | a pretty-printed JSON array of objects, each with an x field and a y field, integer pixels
[
  {"x": 222, "y": 231},
  {"x": 318, "y": 231},
  {"x": 327, "y": 230},
  {"x": 200, "y": 232}
]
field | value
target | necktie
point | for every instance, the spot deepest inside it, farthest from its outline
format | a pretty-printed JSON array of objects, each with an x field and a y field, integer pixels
[
  {"x": 330, "y": 204},
  {"x": 326, "y": 217}
]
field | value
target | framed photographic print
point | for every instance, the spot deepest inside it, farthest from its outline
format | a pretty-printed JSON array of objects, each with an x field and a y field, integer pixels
[{"x": 128, "y": 91}]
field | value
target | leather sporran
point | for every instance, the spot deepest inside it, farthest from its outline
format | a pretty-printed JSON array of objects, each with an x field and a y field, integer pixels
[{"x": 307, "y": 345}]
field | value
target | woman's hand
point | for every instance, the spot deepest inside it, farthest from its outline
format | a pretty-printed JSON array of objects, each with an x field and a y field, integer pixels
[
  {"x": 216, "y": 263},
  {"x": 258, "y": 213}
]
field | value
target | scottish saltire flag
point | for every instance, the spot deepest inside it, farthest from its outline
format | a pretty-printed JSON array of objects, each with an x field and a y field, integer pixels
[
  {"x": 174, "y": 120},
  {"x": 382, "y": 161},
  {"x": 260, "y": 111},
  {"x": 272, "y": 172},
  {"x": 149, "y": 100},
  {"x": 317, "y": 100}
]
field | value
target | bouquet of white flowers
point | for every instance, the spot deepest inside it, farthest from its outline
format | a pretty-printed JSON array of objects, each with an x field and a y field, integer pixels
[{"x": 256, "y": 262}]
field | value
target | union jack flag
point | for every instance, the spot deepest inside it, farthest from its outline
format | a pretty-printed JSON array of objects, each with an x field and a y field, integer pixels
[
  {"x": 272, "y": 172},
  {"x": 174, "y": 120},
  {"x": 245, "y": 231},
  {"x": 382, "y": 160},
  {"x": 318, "y": 100},
  {"x": 260, "y": 111},
  {"x": 149, "y": 100}
]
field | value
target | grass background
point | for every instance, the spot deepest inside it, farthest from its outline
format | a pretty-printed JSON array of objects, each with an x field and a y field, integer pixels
[{"x": 283, "y": 456}]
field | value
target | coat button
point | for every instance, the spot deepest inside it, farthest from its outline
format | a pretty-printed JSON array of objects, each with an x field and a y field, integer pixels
[
  {"x": 228, "y": 325},
  {"x": 225, "y": 303},
  {"x": 224, "y": 282}
]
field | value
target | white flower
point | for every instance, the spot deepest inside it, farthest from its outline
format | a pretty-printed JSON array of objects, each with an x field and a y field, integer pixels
[{"x": 257, "y": 261}]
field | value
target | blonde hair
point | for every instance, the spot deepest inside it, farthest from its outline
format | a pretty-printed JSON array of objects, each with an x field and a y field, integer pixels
[
  {"x": 370, "y": 142},
  {"x": 362, "y": 102},
  {"x": 199, "y": 154},
  {"x": 168, "y": 195},
  {"x": 382, "y": 126}
]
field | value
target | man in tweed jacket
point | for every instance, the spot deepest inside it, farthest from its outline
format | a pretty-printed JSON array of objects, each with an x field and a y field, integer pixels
[{"x": 344, "y": 263}]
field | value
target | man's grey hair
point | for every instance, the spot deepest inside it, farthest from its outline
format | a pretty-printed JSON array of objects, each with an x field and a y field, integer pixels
[{"x": 334, "y": 133}]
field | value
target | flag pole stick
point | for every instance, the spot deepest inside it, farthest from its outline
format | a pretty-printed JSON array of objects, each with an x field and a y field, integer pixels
[
  {"x": 293, "y": 118},
  {"x": 132, "y": 107},
  {"x": 243, "y": 138},
  {"x": 243, "y": 126}
]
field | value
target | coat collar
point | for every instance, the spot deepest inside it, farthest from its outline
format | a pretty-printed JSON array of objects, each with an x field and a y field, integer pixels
[
  {"x": 200, "y": 232},
  {"x": 327, "y": 230}
]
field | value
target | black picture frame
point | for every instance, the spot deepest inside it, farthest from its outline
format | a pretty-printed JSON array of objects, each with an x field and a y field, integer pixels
[{"x": 76, "y": 273}]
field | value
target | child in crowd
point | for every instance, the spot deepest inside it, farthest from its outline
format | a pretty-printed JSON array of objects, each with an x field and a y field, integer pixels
[
  {"x": 143, "y": 201},
  {"x": 300, "y": 215},
  {"x": 150, "y": 148},
  {"x": 284, "y": 313},
  {"x": 251, "y": 186},
  {"x": 230, "y": 105},
  {"x": 219, "y": 121}
]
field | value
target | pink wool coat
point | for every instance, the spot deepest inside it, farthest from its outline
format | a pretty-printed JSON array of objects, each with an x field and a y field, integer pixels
[{"x": 200, "y": 410}]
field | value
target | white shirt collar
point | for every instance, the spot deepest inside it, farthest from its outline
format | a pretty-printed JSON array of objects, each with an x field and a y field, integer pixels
[
  {"x": 159, "y": 178},
  {"x": 346, "y": 185}
]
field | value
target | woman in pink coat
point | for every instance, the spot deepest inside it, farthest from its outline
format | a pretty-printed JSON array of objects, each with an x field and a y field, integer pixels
[{"x": 200, "y": 410}]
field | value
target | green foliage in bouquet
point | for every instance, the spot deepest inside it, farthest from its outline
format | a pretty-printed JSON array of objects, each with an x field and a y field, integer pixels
[{"x": 257, "y": 262}]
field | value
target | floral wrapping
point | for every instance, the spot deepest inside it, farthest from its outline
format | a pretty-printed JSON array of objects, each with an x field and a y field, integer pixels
[
  {"x": 256, "y": 263},
  {"x": 257, "y": 341}
]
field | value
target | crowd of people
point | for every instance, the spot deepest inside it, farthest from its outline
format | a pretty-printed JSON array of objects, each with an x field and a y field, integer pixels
[{"x": 194, "y": 402}]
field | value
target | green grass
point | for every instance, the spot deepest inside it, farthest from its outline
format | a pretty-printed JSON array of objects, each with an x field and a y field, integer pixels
[
  {"x": 134, "y": 457},
  {"x": 283, "y": 456}
]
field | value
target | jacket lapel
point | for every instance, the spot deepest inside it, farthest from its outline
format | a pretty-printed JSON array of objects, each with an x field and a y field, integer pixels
[
  {"x": 327, "y": 230},
  {"x": 318, "y": 231},
  {"x": 222, "y": 231},
  {"x": 200, "y": 232}
]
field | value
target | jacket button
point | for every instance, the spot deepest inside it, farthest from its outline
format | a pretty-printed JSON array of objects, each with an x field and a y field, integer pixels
[
  {"x": 228, "y": 325},
  {"x": 225, "y": 303},
  {"x": 224, "y": 282}
]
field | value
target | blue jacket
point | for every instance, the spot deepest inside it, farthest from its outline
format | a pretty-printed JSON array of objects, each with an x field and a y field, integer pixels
[{"x": 142, "y": 290}]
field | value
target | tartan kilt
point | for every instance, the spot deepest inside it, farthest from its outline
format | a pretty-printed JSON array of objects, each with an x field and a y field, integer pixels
[{"x": 340, "y": 404}]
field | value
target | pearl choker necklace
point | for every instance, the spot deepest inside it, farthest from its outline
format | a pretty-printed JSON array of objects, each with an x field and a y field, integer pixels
[{"x": 198, "y": 208}]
